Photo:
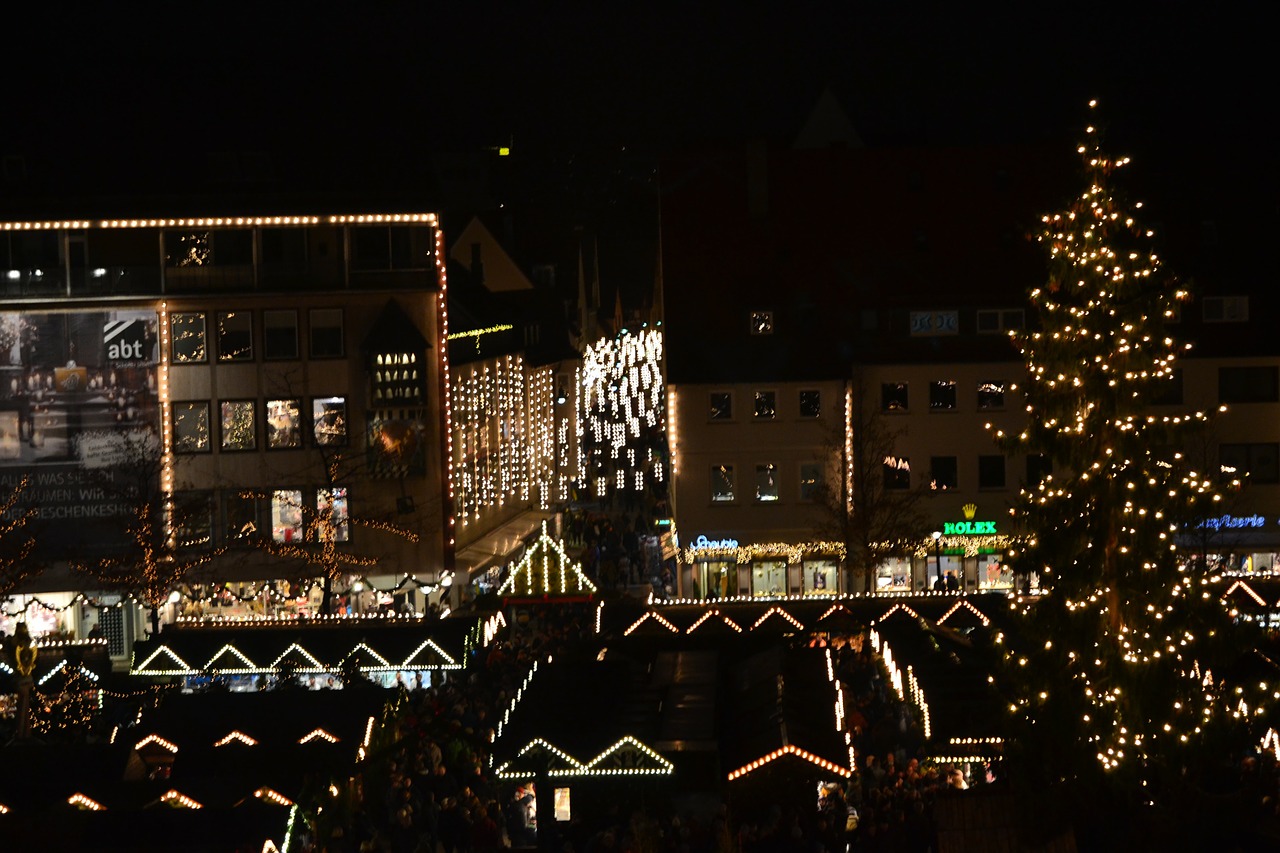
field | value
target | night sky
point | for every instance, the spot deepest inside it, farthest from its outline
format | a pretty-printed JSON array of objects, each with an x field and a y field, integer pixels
[{"x": 592, "y": 97}]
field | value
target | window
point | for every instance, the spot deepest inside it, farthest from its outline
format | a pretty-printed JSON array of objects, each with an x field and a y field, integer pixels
[
  {"x": 187, "y": 338},
  {"x": 1248, "y": 385},
  {"x": 928, "y": 323},
  {"x": 769, "y": 577},
  {"x": 1039, "y": 466},
  {"x": 279, "y": 334},
  {"x": 283, "y": 248},
  {"x": 943, "y": 472},
  {"x": 1259, "y": 462},
  {"x": 897, "y": 472},
  {"x": 193, "y": 520},
  {"x": 942, "y": 395},
  {"x": 222, "y": 247},
  {"x": 286, "y": 515},
  {"x": 243, "y": 524},
  {"x": 329, "y": 421},
  {"x": 721, "y": 483},
  {"x": 810, "y": 404},
  {"x": 333, "y": 521},
  {"x": 766, "y": 405},
  {"x": 811, "y": 481},
  {"x": 235, "y": 336},
  {"x": 990, "y": 395},
  {"x": 1225, "y": 309},
  {"x": 893, "y": 396},
  {"x": 762, "y": 322},
  {"x": 767, "y": 482},
  {"x": 284, "y": 424},
  {"x": 239, "y": 430},
  {"x": 383, "y": 248},
  {"x": 191, "y": 427},
  {"x": 1169, "y": 390},
  {"x": 995, "y": 321},
  {"x": 326, "y": 333},
  {"x": 990, "y": 472},
  {"x": 721, "y": 406}
]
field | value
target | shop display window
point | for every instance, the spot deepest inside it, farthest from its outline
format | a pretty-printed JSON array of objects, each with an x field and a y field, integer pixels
[
  {"x": 191, "y": 427},
  {"x": 187, "y": 341},
  {"x": 769, "y": 577},
  {"x": 717, "y": 579},
  {"x": 238, "y": 422},
  {"x": 284, "y": 424},
  {"x": 821, "y": 577},
  {"x": 993, "y": 574},
  {"x": 894, "y": 574}
]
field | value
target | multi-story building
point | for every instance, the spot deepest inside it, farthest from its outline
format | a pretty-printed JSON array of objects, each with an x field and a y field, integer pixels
[
  {"x": 268, "y": 386},
  {"x": 799, "y": 282}
]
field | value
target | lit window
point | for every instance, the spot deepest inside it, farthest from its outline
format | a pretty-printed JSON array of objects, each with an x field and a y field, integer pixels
[
  {"x": 942, "y": 395},
  {"x": 990, "y": 395},
  {"x": 721, "y": 406},
  {"x": 766, "y": 404},
  {"x": 329, "y": 421},
  {"x": 721, "y": 483},
  {"x": 767, "y": 482},
  {"x": 332, "y": 518},
  {"x": 284, "y": 424},
  {"x": 762, "y": 322},
  {"x": 893, "y": 396},
  {"x": 239, "y": 429},
  {"x": 896, "y": 471},
  {"x": 286, "y": 515}
]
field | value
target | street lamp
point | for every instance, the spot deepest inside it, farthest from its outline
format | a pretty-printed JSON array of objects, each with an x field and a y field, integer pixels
[{"x": 937, "y": 557}]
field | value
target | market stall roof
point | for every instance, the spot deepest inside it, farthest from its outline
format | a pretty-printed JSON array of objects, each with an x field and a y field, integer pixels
[
  {"x": 547, "y": 573},
  {"x": 306, "y": 649}
]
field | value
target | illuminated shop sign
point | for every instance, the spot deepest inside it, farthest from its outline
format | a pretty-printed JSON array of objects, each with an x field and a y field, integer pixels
[
  {"x": 702, "y": 542},
  {"x": 1232, "y": 522},
  {"x": 968, "y": 528}
]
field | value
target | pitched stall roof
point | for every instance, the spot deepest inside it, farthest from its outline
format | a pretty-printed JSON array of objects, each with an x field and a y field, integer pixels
[{"x": 546, "y": 572}]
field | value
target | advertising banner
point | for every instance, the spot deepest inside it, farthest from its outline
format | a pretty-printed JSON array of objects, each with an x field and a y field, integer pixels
[{"x": 79, "y": 418}]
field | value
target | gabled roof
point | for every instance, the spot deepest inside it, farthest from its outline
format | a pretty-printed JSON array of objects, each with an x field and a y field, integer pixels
[{"x": 546, "y": 572}]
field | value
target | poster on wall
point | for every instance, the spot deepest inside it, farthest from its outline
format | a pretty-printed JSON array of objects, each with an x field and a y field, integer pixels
[{"x": 79, "y": 418}]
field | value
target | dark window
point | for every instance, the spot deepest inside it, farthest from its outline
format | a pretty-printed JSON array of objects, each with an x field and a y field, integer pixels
[
  {"x": 766, "y": 405},
  {"x": 942, "y": 395},
  {"x": 943, "y": 472},
  {"x": 990, "y": 395},
  {"x": 1168, "y": 392},
  {"x": 1260, "y": 462},
  {"x": 191, "y": 427},
  {"x": 326, "y": 333},
  {"x": 990, "y": 472},
  {"x": 193, "y": 520},
  {"x": 1039, "y": 466},
  {"x": 767, "y": 482},
  {"x": 188, "y": 338},
  {"x": 1248, "y": 385},
  {"x": 721, "y": 406},
  {"x": 721, "y": 483},
  {"x": 893, "y": 396},
  {"x": 284, "y": 247},
  {"x": 383, "y": 248},
  {"x": 810, "y": 404},
  {"x": 279, "y": 334},
  {"x": 235, "y": 336},
  {"x": 810, "y": 481},
  {"x": 761, "y": 323},
  {"x": 897, "y": 472},
  {"x": 243, "y": 519}
]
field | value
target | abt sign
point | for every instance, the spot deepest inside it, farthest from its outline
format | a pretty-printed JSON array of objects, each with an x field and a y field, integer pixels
[{"x": 126, "y": 340}]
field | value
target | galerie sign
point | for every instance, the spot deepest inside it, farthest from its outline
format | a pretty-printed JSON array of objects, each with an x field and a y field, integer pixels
[{"x": 703, "y": 543}]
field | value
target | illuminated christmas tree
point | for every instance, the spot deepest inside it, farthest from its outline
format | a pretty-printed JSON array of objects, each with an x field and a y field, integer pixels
[{"x": 1127, "y": 673}]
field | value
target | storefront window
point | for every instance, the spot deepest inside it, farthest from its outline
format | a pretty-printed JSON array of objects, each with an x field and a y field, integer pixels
[
  {"x": 716, "y": 579},
  {"x": 894, "y": 574},
  {"x": 821, "y": 577},
  {"x": 993, "y": 574},
  {"x": 769, "y": 577}
]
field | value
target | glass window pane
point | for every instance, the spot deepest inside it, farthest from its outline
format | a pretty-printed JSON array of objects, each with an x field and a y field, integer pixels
[
  {"x": 279, "y": 334},
  {"x": 821, "y": 577},
  {"x": 326, "y": 333},
  {"x": 769, "y": 578},
  {"x": 722, "y": 482},
  {"x": 239, "y": 429},
  {"x": 810, "y": 481},
  {"x": 191, "y": 427},
  {"x": 942, "y": 395},
  {"x": 990, "y": 395},
  {"x": 897, "y": 472},
  {"x": 329, "y": 421},
  {"x": 242, "y": 524},
  {"x": 810, "y": 404},
  {"x": 990, "y": 472},
  {"x": 187, "y": 342},
  {"x": 767, "y": 482},
  {"x": 332, "y": 518},
  {"x": 893, "y": 396},
  {"x": 286, "y": 515},
  {"x": 284, "y": 424},
  {"x": 721, "y": 406},
  {"x": 943, "y": 472},
  {"x": 766, "y": 404},
  {"x": 235, "y": 336},
  {"x": 193, "y": 520}
]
